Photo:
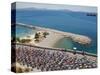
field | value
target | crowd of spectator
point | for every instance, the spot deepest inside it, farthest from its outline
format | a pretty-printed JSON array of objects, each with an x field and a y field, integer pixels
[{"x": 50, "y": 60}]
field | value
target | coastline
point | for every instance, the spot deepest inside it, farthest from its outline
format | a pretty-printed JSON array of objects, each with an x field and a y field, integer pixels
[
  {"x": 81, "y": 39},
  {"x": 56, "y": 35}
]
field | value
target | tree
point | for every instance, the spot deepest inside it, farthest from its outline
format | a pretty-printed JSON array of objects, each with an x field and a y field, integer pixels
[
  {"x": 17, "y": 39},
  {"x": 45, "y": 34},
  {"x": 37, "y": 37}
]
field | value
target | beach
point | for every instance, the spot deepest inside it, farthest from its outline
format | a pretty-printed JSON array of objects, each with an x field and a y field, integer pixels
[
  {"x": 77, "y": 23},
  {"x": 56, "y": 35},
  {"x": 42, "y": 56},
  {"x": 50, "y": 40}
]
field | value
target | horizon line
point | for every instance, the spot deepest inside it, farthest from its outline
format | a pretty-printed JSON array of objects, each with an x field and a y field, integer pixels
[{"x": 44, "y": 6}]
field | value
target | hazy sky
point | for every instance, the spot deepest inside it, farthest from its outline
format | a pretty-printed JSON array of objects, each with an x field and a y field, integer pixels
[{"x": 22, "y": 5}]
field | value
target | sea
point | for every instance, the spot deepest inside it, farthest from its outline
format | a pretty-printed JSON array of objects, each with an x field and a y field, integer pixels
[{"x": 64, "y": 20}]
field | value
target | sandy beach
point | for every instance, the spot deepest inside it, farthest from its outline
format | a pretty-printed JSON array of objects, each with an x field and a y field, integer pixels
[
  {"x": 82, "y": 39},
  {"x": 50, "y": 40},
  {"x": 56, "y": 35}
]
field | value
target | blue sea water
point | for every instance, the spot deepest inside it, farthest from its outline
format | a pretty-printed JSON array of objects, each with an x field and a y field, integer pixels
[
  {"x": 23, "y": 31},
  {"x": 64, "y": 20}
]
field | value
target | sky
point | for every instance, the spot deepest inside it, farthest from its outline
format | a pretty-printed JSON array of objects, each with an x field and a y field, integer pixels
[{"x": 23, "y": 5}]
